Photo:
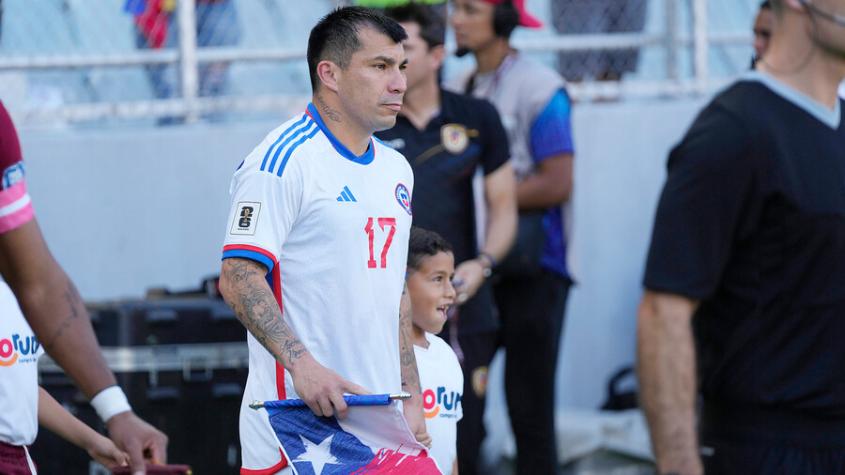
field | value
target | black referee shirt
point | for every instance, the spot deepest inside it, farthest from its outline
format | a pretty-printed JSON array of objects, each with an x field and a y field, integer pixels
[
  {"x": 751, "y": 222},
  {"x": 465, "y": 135}
]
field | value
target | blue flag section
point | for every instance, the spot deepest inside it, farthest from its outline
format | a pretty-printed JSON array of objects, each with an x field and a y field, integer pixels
[{"x": 371, "y": 440}]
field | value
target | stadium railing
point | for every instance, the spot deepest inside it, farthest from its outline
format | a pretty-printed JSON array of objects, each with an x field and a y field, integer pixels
[{"x": 682, "y": 34}]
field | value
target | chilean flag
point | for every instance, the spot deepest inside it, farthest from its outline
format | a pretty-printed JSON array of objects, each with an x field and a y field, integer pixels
[{"x": 373, "y": 439}]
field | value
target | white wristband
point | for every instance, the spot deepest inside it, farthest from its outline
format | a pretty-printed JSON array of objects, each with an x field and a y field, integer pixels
[{"x": 110, "y": 402}]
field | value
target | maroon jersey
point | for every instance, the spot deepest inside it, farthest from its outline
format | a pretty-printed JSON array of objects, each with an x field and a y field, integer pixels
[{"x": 15, "y": 205}]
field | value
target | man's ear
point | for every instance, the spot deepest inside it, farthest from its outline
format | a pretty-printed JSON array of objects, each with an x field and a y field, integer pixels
[
  {"x": 328, "y": 71},
  {"x": 438, "y": 55}
]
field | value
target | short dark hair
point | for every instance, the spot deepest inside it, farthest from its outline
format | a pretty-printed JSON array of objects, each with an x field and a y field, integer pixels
[
  {"x": 432, "y": 25},
  {"x": 335, "y": 36},
  {"x": 765, "y": 5},
  {"x": 424, "y": 243}
]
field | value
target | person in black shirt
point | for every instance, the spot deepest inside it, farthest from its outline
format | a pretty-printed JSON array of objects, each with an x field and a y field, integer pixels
[
  {"x": 745, "y": 279},
  {"x": 448, "y": 137}
]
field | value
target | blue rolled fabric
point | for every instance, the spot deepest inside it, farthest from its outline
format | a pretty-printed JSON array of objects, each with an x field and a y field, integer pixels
[{"x": 351, "y": 400}]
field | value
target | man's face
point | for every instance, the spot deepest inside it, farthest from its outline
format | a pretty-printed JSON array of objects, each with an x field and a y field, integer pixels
[
  {"x": 829, "y": 35},
  {"x": 423, "y": 62},
  {"x": 472, "y": 21},
  {"x": 763, "y": 25},
  {"x": 373, "y": 84}
]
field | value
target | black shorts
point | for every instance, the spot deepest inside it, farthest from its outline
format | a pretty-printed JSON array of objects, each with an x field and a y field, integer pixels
[{"x": 750, "y": 440}]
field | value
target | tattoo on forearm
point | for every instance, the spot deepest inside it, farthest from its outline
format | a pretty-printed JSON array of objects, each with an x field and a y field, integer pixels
[
  {"x": 74, "y": 306},
  {"x": 293, "y": 348},
  {"x": 407, "y": 359},
  {"x": 257, "y": 308}
]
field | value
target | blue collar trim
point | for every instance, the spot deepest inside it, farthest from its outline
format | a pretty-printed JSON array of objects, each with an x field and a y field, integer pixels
[
  {"x": 365, "y": 159},
  {"x": 829, "y": 117}
]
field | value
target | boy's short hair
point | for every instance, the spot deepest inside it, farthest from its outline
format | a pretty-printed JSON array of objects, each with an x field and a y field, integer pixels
[{"x": 424, "y": 243}]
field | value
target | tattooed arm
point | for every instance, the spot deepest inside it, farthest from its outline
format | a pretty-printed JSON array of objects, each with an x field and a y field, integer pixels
[
  {"x": 54, "y": 310},
  {"x": 413, "y": 407},
  {"x": 245, "y": 289},
  {"x": 53, "y": 307}
]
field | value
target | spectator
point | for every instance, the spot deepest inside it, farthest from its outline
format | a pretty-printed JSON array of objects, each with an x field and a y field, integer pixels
[
  {"x": 745, "y": 280},
  {"x": 217, "y": 26},
  {"x": 595, "y": 17},
  {"x": 533, "y": 281},
  {"x": 446, "y": 137}
]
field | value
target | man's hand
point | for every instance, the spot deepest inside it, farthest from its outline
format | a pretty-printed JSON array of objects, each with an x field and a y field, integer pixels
[
  {"x": 139, "y": 439},
  {"x": 416, "y": 420},
  {"x": 468, "y": 278},
  {"x": 322, "y": 389}
]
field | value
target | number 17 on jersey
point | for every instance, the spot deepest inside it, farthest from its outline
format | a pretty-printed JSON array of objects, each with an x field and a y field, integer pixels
[{"x": 386, "y": 226}]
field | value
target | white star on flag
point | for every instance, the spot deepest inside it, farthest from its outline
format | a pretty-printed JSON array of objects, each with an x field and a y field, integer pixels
[{"x": 318, "y": 455}]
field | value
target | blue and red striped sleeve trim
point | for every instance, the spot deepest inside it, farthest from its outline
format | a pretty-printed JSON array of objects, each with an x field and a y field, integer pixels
[{"x": 254, "y": 253}]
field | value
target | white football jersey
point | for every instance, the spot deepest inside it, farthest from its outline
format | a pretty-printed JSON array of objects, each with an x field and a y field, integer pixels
[
  {"x": 332, "y": 229},
  {"x": 443, "y": 387},
  {"x": 19, "y": 352}
]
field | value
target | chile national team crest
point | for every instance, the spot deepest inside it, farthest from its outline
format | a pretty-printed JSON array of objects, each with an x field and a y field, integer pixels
[{"x": 403, "y": 196}]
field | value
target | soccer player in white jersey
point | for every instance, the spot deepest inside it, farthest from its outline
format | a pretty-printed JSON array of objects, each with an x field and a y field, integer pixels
[{"x": 317, "y": 239}]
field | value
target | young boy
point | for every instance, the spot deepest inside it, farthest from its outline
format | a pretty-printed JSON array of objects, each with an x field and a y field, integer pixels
[{"x": 431, "y": 266}]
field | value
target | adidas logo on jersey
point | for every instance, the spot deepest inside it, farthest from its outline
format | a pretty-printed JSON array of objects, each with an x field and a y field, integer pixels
[{"x": 346, "y": 195}]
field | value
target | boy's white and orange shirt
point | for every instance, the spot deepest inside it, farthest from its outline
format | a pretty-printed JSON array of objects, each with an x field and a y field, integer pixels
[{"x": 442, "y": 386}]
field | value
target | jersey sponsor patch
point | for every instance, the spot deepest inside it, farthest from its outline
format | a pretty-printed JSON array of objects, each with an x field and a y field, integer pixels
[
  {"x": 403, "y": 197},
  {"x": 246, "y": 218}
]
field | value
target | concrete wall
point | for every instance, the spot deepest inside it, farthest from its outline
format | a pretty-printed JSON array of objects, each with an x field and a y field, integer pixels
[
  {"x": 621, "y": 152},
  {"x": 125, "y": 210}
]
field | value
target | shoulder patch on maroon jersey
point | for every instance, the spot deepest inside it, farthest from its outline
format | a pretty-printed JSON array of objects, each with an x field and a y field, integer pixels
[{"x": 10, "y": 151}]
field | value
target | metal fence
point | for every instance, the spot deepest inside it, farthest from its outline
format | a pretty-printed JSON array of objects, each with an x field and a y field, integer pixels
[{"x": 161, "y": 61}]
